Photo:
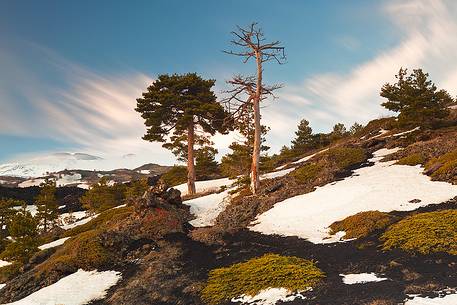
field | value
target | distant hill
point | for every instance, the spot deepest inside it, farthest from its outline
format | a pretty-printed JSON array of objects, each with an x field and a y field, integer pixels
[{"x": 75, "y": 169}]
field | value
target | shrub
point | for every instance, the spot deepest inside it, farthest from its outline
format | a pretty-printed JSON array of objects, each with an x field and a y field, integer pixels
[
  {"x": 306, "y": 173},
  {"x": 176, "y": 175},
  {"x": 254, "y": 275},
  {"x": 424, "y": 233},
  {"x": 82, "y": 251},
  {"x": 412, "y": 160},
  {"x": 9, "y": 271},
  {"x": 362, "y": 224},
  {"x": 345, "y": 157}
]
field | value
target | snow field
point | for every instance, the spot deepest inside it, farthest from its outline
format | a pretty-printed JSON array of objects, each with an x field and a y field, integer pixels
[{"x": 383, "y": 186}]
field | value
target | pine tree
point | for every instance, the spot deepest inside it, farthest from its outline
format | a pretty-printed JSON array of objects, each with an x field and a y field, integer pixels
[
  {"x": 339, "y": 131},
  {"x": 100, "y": 197},
  {"x": 304, "y": 137},
  {"x": 355, "y": 128},
  {"x": 206, "y": 166},
  {"x": 23, "y": 228},
  {"x": 136, "y": 189},
  {"x": 6, "y": 212},
  {"x": 416, "y": 99},
  {"x": 185, "y": 106},
  {"x": 47, "y": 206}
]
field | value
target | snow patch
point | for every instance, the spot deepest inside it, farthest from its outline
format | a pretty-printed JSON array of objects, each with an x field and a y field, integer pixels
[
  {"x": 381, "y": 132},
  {"x": 30, "y": 208},
  {"x": 65, "y": 179},
  {"x": 447, "y": 299},
  {"x": 207, "y": 208},
  {"x": 78, "y": 288},
  {"x": 79, "y": 222},
  {"x": 276, "y": 174},
  {"x": 31, "y": 182},
  {"x": 4, "y": 263},
  {"x": 69, "y": 218},
  {"x": 309, "y": 157},
  {"x": 405, "y": 132},
  {"x": 269, "y": 296},
  {"x": 361, "y": 278},
  {"x": 205, "y": 186},
  {"x": 53, "y": 244},
  {"x": 384, "y": 186}
]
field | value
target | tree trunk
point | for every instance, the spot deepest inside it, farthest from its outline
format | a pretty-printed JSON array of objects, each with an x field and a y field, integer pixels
[
  {"x": 190, "y": 160},
  {"x": 255, "y": 183}
]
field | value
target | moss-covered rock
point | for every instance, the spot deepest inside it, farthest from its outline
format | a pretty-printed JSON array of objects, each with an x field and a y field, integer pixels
[
  {"x": 424, "y": 233},
  {"x": 412, "y": 160},
  {"x": 345, "y": 157},
  {"x": 444, "y": 167},
  {"x": 362, "y": 224},
  {"x": 254, "y": 275}
]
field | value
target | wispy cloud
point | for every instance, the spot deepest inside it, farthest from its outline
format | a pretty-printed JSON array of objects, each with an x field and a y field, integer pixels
[
  {"x": 94, "y": 112},
  {"x": 427, "y": 30}
]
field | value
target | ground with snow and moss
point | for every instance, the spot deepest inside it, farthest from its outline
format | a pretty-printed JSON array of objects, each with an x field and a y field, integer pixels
[{"x": 164, "y": 251}]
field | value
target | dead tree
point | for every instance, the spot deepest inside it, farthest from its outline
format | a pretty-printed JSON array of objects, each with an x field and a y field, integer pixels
[{"x": 248, "y": 91}]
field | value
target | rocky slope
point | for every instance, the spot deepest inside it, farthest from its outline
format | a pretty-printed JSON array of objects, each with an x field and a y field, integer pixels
[{"x": 407, "y": 175}]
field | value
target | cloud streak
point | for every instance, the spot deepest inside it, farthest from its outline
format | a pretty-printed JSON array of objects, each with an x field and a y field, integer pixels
[
  {"x": 427, "y": 30},
  {"x": 94, "y": 112}
]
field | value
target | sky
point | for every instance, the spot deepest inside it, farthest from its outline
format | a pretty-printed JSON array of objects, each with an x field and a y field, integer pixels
[{"x": 70, "y": 71}]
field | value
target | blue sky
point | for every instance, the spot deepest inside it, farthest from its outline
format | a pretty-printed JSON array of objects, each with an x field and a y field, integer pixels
[{"x": 71, "y": 70}]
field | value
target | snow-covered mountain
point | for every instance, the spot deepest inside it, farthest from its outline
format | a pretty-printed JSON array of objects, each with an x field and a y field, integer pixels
[{"x": 42, "y": 165}]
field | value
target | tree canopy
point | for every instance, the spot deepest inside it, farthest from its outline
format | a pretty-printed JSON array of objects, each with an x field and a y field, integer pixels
[
  {"x": 416, "y": 98},
  {"x": 304, "y": 136},
  {"x": 172, "y": 103}
]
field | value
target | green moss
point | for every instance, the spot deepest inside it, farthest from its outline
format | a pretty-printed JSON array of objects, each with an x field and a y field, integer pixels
[
  {"x": 448, "y": 167},
  {"x": 424, "y": 233},
  {"x": 446, "y": 164},
  {"x": 412, "y": 160},
  {"x": 112, "y": 215},
  {"x": 254, "y": 275},
  {"x": 83, "y": 251},
  {"x": 362, "y": 224},
  {"x": 347, "y": 156},
  {"x": 306, "y": 173}
]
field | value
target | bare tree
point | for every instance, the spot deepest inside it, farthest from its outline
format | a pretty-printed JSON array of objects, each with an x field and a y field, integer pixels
[{"x": 248, "y": 91}]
